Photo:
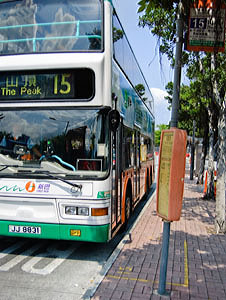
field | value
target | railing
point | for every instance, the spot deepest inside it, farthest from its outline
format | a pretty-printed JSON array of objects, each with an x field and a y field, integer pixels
[{"x": 35, "y": 39}]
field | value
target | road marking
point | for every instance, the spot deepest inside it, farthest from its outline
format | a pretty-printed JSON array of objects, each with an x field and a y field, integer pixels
[
  {"x": 16, "y": 260},
  {"x": 186, "y": 281},
  {"x": 126, "y": 270},
  {"x": 57, "y": 257},
  {"x": 60, "y": 256}
]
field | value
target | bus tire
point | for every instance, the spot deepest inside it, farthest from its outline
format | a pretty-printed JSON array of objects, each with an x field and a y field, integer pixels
[{"x": 128, "y": 210}]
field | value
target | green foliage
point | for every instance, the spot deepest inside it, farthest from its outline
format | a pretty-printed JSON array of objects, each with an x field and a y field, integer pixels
[
  {"x": 207, "y": 83},
  {"x": 192, "y": 107},
  {"x": 160, "y": 17},
  {"x": 147, "y": 5},
  {"x": 158, "y": 132},
  {"x": 204, "y": 100},
  {"x": 208, "y": 75},
  {"x": 162, "y": 24}
]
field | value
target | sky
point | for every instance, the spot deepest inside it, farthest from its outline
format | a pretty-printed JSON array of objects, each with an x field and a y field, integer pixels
[{"x": 145, "y": 49}]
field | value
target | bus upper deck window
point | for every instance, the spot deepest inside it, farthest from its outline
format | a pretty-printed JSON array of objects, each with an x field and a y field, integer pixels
[{"x": 50, "y": 26}]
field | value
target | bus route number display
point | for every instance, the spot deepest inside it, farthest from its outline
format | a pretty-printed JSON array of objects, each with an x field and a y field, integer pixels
[{"x": 66, "y": 84}]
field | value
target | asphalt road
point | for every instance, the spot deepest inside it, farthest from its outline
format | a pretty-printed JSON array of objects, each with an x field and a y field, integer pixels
[{"x": 33, "y": 269}]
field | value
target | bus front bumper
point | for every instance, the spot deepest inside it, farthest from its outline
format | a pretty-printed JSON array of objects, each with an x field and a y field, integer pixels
[{"x": 94, "y": 233}]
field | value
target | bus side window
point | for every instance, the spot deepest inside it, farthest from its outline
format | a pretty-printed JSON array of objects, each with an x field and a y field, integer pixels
[{"x": 127, "y": 148}]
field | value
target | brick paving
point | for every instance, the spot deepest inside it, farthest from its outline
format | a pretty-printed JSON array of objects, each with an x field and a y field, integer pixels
[{"x": 197, "y": 256}]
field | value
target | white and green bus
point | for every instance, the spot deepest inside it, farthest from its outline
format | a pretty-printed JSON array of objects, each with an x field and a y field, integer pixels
[{"x": 76, "y": 121}]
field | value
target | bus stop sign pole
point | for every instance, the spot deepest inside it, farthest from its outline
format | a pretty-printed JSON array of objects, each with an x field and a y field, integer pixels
[
  {"x": 173, "y": 123},
  {"x": 164, "y": 258}
]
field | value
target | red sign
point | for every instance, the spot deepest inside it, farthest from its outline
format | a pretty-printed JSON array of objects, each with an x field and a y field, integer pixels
[
  {"x": 207, "y": 26},
  {"x": 171, "y": 171}
]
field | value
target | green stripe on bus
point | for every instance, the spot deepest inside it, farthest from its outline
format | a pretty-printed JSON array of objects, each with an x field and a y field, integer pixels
[{"x": 98, "y": 233}]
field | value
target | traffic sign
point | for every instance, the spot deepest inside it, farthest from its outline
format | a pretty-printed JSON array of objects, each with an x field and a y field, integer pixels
[
  {"x": 171, "y": 171},
  {"x": 207, "y": 27}
]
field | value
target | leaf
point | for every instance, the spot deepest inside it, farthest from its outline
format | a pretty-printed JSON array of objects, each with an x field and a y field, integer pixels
[
  {"x": 142, "y": 5},
  {"x": 142, "y": 8},
  {"x": 149, "y": 8}
]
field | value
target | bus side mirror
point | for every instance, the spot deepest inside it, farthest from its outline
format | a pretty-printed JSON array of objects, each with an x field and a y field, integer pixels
[{"x": 114, "y": 119}]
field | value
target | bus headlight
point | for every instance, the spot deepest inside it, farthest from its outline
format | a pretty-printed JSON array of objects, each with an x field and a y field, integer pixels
[
  {"x": 83, "y": 211},
  {"x": 70, "y": 210},
  {"x": 74, "y": 210}
]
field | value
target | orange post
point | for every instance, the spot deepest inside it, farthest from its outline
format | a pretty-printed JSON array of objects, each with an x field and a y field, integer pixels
[{"x": 205, "y": 184}]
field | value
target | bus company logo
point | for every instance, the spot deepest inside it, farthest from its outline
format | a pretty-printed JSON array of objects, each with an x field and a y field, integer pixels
[
  {"x": 41, "y": 188},
  {"x": 30, "y": 186}
]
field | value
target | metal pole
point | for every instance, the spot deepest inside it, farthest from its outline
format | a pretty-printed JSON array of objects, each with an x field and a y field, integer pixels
[
  {"x": 164, "y": 259},
  {"x": 173, "y": 123}
]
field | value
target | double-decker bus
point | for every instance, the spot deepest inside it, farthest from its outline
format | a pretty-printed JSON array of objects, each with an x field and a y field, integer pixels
[{"x": 76, "y": 121}]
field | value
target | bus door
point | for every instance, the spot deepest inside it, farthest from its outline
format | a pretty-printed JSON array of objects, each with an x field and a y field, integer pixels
[
  {"x": 137, "y": 165},
  {"x": 116, "y": 205}
]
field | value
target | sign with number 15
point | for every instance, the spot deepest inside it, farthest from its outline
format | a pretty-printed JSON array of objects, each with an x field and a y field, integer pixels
[{"x": 207, "y": 26}]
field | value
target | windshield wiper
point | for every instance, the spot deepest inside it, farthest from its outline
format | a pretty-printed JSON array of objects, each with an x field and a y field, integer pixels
[
  {"x": 75, "y": 187},
  {"x": 8, "y": 166},
  {"x": 17, "y": 166}
]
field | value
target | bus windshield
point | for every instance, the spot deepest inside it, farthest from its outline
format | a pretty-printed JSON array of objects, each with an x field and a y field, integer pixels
[
  {"x": 31, "y": 26},
  {"x": 68, "y": 142}
]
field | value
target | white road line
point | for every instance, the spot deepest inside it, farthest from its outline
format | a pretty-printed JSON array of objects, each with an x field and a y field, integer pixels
[
  {"x": 61, "y": 255},
  {"x": 16, "y": 260}
]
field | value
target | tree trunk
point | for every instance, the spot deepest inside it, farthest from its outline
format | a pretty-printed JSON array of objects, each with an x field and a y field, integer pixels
[
  {"x": 213, "y": 132},
  {"x": 220, "y": 225},
  {"x": 204, "y": 153},
  {"x": 210, "y": 171},
  {"x": 201, "y": 167}
]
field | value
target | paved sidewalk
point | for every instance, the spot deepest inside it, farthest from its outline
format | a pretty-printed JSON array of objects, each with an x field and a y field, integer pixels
[{"x": 197, "y": 256}]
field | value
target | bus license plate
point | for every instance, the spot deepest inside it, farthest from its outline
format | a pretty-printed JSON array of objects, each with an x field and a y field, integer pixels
[{"x": 25, "y": 229}]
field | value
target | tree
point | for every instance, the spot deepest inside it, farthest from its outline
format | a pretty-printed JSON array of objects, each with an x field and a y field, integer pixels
[
  {"x": 218, "y": 64},
  {"x": 207, "y": 75},
  {"x": 192, "y": 108},
  {"x": 158, "y": 133}
]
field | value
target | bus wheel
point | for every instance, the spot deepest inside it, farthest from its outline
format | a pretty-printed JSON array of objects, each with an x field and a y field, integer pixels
[{"x": 127, "y": 208}]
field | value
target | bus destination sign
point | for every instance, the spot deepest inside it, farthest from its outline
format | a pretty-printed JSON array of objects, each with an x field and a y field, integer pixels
[{"x": 66, "y": 84}]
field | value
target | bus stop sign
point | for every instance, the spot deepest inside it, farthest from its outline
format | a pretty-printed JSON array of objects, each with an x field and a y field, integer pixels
[
  {"x": 171, "y": 171},
  {"x": 207, "y": 26}
]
